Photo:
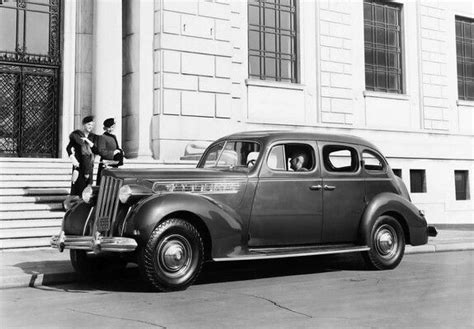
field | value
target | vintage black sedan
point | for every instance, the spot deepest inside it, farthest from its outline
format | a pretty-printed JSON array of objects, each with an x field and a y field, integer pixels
[{"x": 253, "y": 195}]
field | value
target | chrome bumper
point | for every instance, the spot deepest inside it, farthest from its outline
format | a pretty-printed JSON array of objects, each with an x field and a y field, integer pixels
[{"x": 95, "y": 243}]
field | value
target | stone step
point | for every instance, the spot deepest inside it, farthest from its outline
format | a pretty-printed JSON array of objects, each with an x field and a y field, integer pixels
[
  {"x": 41, "y": 214},
  {"x": 30, "y": 223},
  {"x": 36, "y": 160},
  {"x": 29, "y": 171},
  {"x": 34, "y": 177},
  {"x": 32, "y": 199},
  {"x": 13, "y": 207},
  {"x": 25, "y": 243},
  {"x": 36, "y": 184},
  {"x": 31, "y": 191},
  {"x": 36, "y": 165},
  {"x": 27, "y": 232}
]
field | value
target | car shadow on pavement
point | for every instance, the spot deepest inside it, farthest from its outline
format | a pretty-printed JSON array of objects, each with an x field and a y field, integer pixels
[{"x": 129, "y": 280}]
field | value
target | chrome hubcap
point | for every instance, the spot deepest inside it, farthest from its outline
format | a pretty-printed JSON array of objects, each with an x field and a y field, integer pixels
[
  {"x": 174, "y": 255},
  {"x": 386, "y": 241}
]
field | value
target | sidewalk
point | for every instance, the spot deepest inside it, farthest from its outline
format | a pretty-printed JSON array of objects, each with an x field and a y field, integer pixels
[{"x": 47, "y": 266}]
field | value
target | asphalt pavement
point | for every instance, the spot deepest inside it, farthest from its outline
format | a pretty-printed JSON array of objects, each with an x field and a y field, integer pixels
[
  {"x": 431, "y": 290},
  {"x": 47, "y": 266}
]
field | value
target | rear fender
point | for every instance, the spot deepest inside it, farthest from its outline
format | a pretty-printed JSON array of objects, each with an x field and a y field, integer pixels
[
  {"x": 224, "y": 225},
  {"x": 401, "y": 209}
]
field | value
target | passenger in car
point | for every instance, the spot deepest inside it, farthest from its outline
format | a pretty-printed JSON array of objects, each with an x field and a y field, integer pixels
[{"x": 297, "y": 162}]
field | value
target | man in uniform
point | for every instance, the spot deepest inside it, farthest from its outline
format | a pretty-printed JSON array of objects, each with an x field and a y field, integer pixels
[
  {"x": 111, "y": 155},
  {"x": 81, "y": 149}
]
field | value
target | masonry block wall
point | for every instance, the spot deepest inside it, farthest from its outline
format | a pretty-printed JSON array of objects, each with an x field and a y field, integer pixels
[
  {"x": 336, "y": 62},
  {"x": 198, "y": 79},
  {"x": 433, "y": 28},
  {"x": 201, "y": 74}
]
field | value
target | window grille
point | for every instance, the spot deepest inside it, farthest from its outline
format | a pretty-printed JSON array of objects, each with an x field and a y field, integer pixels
[
  {"x": 383, "y": 58},
  {"x": 397, "y": 172},
  {"x": 465, "y": 57},
  {"x": 272, "y": 40},
  {"x": 417, "y": 181},
  {"x": 461, "y": 181}
]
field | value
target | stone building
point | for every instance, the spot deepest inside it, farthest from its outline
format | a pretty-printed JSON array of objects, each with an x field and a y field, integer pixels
[{"x": 178, "y": 73}]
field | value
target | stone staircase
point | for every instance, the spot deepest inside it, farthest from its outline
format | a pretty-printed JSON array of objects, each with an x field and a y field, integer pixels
[{"x": 31, "y": 195}]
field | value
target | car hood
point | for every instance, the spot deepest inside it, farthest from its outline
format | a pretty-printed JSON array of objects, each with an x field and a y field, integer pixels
[
  {"x": 222, "y": 187},
  {"x": 175, "y": 174}
]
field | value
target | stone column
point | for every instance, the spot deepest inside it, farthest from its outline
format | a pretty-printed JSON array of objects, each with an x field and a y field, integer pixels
[
  {"x": 68, "y": 73},
  {"x": 138, "y": 77},
  {"x": 107, "y": 64}
]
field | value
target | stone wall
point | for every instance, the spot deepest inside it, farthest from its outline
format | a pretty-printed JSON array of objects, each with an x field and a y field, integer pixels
[{"x": 195, "y": 58}]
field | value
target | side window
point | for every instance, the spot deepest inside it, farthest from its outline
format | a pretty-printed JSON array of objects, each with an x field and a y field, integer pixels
[
  {"x": 212, "y": 155},
  {"x": 276, "y": 158},
  {"x": 239, "y": 154},
  {"x": 372, "y": 161},
  {"x": 291, "y": 157},
  {"x": 338, "y": 158}
]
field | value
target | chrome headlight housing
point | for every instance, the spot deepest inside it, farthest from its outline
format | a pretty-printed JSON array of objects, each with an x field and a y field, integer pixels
[
  {"x": 88, "y": 194},
  {"x": 125, "y": 193},
  {"x": 133, "y": 192}
]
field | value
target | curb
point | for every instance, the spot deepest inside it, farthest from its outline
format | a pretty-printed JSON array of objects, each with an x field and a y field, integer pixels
[
  {"x": 432, "y": 248},
  {"x": 37, "y": 279}
]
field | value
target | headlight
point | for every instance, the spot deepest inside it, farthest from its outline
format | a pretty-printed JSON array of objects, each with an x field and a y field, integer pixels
[
  {"x": 125, "y": 193},
  {"x": 87, "y": 194}
]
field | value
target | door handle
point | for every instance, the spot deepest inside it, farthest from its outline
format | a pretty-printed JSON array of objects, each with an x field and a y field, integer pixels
[
  {"x": 315, "y": 187},
  {"x": 329, "y": 187}
]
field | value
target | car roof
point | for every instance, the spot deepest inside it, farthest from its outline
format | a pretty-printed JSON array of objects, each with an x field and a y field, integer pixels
[{"x": 270, "y": 136}]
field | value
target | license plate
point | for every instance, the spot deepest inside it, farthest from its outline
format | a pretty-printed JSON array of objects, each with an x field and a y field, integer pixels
[{"x": 103, "y": 224}]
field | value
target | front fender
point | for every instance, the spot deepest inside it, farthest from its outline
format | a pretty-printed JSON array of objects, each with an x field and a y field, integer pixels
[
  {"x": 75, "y": 218},
  {"x": 404, "y": 211},
  {"x": 223, "y": 223}
]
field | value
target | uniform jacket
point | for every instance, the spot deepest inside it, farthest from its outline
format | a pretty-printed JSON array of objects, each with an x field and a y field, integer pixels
[
  {"x": 107, "y": 144},
  {"x": 82, "y": 151}
]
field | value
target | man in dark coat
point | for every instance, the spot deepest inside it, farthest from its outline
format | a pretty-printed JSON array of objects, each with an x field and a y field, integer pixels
[
  {"x": 111, "y": 155},
  {"x": 81, "y": 149}
]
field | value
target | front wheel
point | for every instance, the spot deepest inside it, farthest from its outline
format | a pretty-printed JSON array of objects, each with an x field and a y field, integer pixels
[
  {"x": 173, "y": 255},
  {"x": 387, "y": 244}
]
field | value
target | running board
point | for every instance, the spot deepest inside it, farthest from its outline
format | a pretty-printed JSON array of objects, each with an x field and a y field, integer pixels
[{"x": 270, "y": 253}]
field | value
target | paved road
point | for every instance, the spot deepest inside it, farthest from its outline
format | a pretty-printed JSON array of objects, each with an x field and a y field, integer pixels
[{"x": 426, "y": 290}]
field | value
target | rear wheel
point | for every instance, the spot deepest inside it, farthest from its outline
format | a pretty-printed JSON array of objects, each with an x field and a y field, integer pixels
[
  {"x": 90, "y": 265},
  {"x": 387, "y": 244},
  {"x": 173, "y": 257}
]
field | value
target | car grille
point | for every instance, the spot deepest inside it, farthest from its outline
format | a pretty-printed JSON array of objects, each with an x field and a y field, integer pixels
[{"x": 107, "y": 204}]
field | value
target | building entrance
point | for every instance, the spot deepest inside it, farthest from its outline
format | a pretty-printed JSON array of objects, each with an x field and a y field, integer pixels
[{"x": 29, "y": 83}]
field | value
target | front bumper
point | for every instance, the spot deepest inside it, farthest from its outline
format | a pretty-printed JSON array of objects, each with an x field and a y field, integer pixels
[{"x": 95, "y": 243}]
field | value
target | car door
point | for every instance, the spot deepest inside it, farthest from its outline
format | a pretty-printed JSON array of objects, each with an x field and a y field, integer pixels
[
  {"x": 343, "y": 192},
  {"x": 287, "y": 207}
]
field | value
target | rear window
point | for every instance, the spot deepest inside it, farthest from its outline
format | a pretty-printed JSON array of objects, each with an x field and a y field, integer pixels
[
  {"x": 372, "y": 161},
  {"x": 339, "y": 158}
]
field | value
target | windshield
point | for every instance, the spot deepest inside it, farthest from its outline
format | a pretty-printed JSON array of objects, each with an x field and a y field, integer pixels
[{"x": 231, "y": 155}]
